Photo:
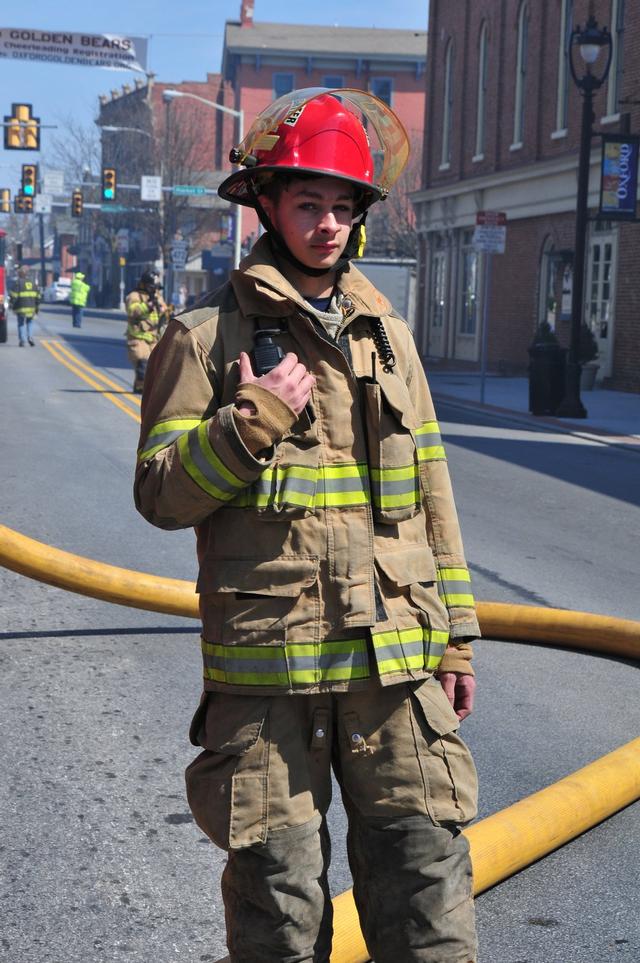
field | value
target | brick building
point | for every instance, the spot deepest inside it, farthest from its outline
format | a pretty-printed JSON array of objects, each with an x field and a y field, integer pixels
[
  {"x": 262, "y": 61},
  {"x": 503, "y": 130}
]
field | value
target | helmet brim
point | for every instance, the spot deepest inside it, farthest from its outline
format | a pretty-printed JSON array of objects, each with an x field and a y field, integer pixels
[{"x": 235, "y": 188}]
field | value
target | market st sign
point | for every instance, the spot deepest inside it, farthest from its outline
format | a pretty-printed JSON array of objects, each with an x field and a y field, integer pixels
[{"x": 80, "y": 49}]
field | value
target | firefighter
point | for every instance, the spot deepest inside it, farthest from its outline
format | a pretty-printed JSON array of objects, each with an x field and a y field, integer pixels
[
  {"x": 288, "y": 419},
  {"x": 147, "y": 316},
  {"x": 24, "y": 300},
  {"x": 78, "y": 297}
]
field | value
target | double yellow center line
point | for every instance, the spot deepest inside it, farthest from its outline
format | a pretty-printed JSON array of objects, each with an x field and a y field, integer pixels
[{"x": 96, "y": 379}]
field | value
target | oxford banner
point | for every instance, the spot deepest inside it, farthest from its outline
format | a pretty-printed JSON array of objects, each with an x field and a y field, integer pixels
[{"x": 81, "y": 49}]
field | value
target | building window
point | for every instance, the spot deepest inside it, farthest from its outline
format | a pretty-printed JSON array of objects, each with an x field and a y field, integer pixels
[
  {"x": 614, "y": 82},
  {"x": 521, "y": 74},
  {"x": 482, "y": 90},
  {"x": 333, "y": 80},
  {"x": 447, "y": 107},
  {"x": 469, "y": 307},
  {"x": 382, "y": 87},
  {"x": 282, "y": 84},
  {"x": 562, "y": 98}
]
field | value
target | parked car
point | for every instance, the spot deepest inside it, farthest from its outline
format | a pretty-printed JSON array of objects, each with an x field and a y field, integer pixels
[{"x": 58, "y": 291}]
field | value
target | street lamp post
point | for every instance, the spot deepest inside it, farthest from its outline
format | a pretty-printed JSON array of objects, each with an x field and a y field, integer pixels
[
  {"x": 113, "y": 129},
  {"x": 239, "y": 115},
  {"x": 590, "y": 42}
]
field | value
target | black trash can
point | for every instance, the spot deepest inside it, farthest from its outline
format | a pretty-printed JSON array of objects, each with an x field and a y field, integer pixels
[{"x": 547, "y": 372}]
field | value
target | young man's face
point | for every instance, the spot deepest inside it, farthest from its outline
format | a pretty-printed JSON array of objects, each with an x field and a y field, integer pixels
[{"x": 314, "y": 217}]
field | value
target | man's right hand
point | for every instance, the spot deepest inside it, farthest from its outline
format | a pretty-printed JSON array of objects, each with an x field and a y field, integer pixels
[{"x": 290, "y": 381}]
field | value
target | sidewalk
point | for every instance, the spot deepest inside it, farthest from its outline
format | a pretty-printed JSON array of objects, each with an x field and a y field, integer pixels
[{"x": 613, "y": 417}]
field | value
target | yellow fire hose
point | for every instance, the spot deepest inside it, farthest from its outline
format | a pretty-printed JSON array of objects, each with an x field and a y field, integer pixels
[
  {"x": 498, "y": 620},
  {"x": 501, "y": 844}
]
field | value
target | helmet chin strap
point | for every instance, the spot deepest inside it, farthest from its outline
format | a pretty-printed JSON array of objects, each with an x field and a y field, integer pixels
[{"x": 279, "y": 245}]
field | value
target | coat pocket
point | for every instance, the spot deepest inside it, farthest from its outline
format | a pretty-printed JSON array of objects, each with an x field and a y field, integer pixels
[
  {"x": 227, "y": 782},
  {"x": 393, "y": 463},
  {"x": 448, "y": 768},
  {"x": 250, "y": 600}
]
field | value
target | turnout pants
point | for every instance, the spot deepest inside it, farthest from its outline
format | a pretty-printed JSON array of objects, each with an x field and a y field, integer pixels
[{"x": 261, "y": 789}]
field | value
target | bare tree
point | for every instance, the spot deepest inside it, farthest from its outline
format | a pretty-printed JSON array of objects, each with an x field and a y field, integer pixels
[
  {"x": 391, "y": 228},
  {"x": 75, "y": 149}
]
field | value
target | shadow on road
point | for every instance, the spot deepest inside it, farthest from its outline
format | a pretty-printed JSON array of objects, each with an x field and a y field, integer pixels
[{"x": 588, "y": 466}]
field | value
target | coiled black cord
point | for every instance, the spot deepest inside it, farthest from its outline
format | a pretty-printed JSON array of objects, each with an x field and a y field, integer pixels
[{"x": 383, "y": 345}]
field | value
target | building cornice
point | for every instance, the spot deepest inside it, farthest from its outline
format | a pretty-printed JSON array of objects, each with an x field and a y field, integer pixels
[{"x": 535, "y": 190}]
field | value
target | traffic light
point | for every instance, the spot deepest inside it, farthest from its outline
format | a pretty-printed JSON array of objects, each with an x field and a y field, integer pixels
[
  {"x": 21, "y": 129},
  {"x": 5, "y": 200},
  {"x": 109, "y": 183},
  {"x": 29, "y": 179},
  {"x": 22, "y": 204},
  {"x": 76, "y": 204}
]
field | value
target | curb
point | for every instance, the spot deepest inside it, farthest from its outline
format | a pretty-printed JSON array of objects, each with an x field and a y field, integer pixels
[{"x": 543, "y": 422}]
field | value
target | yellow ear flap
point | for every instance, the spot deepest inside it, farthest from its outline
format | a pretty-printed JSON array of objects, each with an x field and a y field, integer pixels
[{"x": 362, "y": 243}]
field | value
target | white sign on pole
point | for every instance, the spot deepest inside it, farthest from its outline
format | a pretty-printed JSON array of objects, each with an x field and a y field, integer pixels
[
  {"x": 179, "y": 250},
  {"x": 53, "y": 182},
  {"x": 80, "y": 49},
  {"x": 42, "y": 204},
  {"x": 150, "y": 188},
  {"x": 490, "y": 232},
  {"x": 122, "y": 241}
]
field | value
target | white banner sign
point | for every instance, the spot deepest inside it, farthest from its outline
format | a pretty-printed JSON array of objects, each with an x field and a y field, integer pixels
[{"x": 82, "y": 49}]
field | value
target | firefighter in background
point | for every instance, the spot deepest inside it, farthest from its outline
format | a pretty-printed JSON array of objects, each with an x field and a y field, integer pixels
[
  {"x": 147, "y": 316},
  {"x": 78, "y": 297},
  {"x": 24, "y": 300},
  {"x": 288, "y": 419}
]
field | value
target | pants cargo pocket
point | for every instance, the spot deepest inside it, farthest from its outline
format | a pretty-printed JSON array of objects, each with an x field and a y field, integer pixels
[
  {"x": 227, "y": 783},
  {"x": 449, "y": 774}
]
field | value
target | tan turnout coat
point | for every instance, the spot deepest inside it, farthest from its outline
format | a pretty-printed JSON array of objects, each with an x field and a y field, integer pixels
[{"x": 334, "y": 554}]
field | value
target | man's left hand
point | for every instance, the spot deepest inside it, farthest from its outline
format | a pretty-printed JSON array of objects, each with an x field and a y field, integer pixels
[{"x": 460, "y": 690}]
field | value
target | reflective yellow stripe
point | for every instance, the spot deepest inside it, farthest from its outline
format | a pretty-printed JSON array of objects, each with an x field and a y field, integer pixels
[
  {"x": 454, "y": 587},
  {"x": 205, "y": 467},
  {"x": 164, "y": 433},
  {"x": 295, "y": 663}
]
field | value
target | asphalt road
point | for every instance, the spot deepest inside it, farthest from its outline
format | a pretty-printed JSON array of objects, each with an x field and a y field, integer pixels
[{"x": 100, "y": 858}]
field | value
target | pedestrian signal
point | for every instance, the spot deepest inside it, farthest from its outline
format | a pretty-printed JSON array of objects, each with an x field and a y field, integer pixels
[
  {"x": 29, "y": 179},
  {"x": 5, "y": 200},
  {"x": 21, "y": 129},
  {"x": 76, "y": 204},
  {"x": 109, "y": 184}
]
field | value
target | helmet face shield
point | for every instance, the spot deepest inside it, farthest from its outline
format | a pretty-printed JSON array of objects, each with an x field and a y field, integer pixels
[{"x": 336, "y": 132}]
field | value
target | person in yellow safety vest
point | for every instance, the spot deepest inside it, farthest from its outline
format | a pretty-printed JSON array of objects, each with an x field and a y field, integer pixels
[
  {"x": 78, "y": 297},
  {"x": 288, "y": 419},
  {"x": 147, "y": 317},
  {"x": 24, "y": 300}
]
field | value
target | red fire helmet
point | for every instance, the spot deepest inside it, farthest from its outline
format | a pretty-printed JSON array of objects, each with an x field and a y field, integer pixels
[{"x": 321, "y": 131}]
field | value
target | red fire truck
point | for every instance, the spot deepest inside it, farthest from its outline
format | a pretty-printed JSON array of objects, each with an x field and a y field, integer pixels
[{"x": 4, "y": 294}]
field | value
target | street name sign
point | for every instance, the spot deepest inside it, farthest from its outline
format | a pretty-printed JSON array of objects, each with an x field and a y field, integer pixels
[
  {"x": 150, "y": 188},
  {"x": 187, "y": 189},
  {"x": 490, "y": 232}
]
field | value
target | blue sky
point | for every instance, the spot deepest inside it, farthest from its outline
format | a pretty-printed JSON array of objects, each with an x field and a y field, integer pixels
[{"x": 185, "y": 43}]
